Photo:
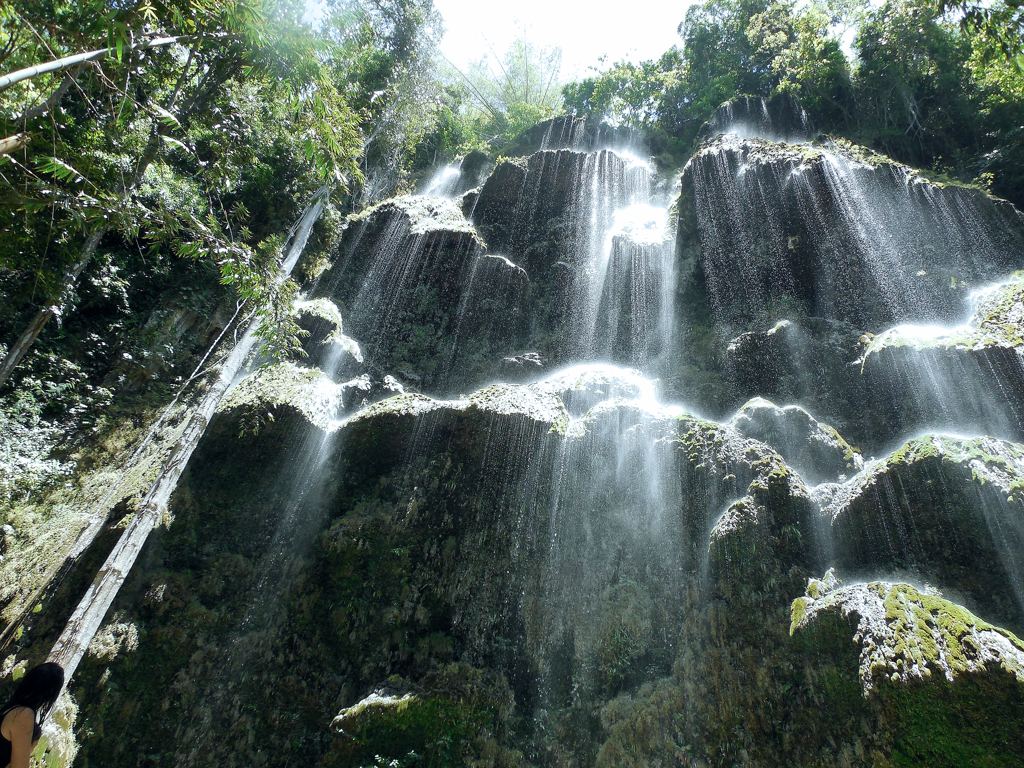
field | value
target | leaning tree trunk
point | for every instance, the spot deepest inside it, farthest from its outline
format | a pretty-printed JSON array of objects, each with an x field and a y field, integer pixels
[
  {"x": 88, "y": 615},
  {"x": 51, "y": 581}
]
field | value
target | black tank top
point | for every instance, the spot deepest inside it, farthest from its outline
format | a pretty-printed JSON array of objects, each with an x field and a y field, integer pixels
[{"x": 5, "y": 745}]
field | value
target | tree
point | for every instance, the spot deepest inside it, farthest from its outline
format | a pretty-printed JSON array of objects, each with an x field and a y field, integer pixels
[
  {"x": 386, "y": 66},
  {"x": 1001, "y": 24},
  {"x": 139, "y": 108},
  {"x": 626, "y": 94},
  {"x": 507, "y": 95},
  {"x": 804, "y": 59},
  {"x": 915, "y": 93}
]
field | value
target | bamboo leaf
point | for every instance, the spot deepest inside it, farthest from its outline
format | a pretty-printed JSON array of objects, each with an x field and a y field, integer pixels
[
  {"x": 175, "y": 143},
  {"x": 60, "y": 169},
  {"x": 165, "y": 117}
]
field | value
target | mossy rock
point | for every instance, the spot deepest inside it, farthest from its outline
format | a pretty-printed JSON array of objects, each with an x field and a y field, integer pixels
[
  {"x": 322, "y": 322},
  {"x": 816, "y": 450},
  {"x": 423, "y": 214},
  {"x": 58, "y": 746},
  {"x": 765, "y": 537},
  {"x": 283, "y": 390},
  {"x": 454, "y": 718},
  {"x": 946, "y": 509},
  {"x": 947, "y": 687}
]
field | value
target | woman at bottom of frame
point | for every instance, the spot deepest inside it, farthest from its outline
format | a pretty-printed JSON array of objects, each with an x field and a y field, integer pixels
[{"x": 21, "y": 718}]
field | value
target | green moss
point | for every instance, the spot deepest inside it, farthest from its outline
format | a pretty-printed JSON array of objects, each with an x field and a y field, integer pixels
[
  {"x": 425, "y": 214},
  {"x": 104, "y": 475},
  {"x": 266, "y": 391},
  {"x": 798, "y": 613},
  {"x": 866, "y": 156},
  {"x": 432, "y": 730},
  {"x": 57, "y": 746},
  {"x": 975, "y": 721},
  {"x": 625, "y": 633},
  {"x": 1001, "y": 313},
  {"x": 987, "y": 458},
  {"x": 407, "y": 404},
  {"x": 908, "y": 636},
  {"x": 762, "y": 151},
  {"x": 453, "y": 713},
  {"x": 926, "y": 624}
]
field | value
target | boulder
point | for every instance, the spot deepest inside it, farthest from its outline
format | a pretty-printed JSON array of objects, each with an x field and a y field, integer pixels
[
  {"x": 942, "y": 686},
  {"x": 943, "y": 509},
  {"x": 779, "y": 118},
  {"x": 814, "y": 449},
  {"x": 455, "y": 715}
]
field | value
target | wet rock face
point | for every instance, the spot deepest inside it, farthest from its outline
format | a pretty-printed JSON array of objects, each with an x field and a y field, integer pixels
[
  {"x": 813, "y": 448},
  {"x": 574, "y": 133},
  {"x": 522, "y": 196},
  {"x": 455, "y": 534},
  {"x": 809, "y": 227},
  {"x": 560, "y": 253},
  {"x": 962, "y": 372},
  {"x": 397, "y": 280},
  {"x": 780, "y": 118},
  {"x": 812, "y": 361},
  {"x": 944, "y": 509}
]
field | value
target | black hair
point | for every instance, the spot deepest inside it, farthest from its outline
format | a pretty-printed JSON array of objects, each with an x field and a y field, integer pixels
[{"x": 38, "y": 690}]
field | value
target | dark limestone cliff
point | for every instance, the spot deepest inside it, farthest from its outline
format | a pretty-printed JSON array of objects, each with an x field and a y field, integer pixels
[{"x": 459, "y": 533}]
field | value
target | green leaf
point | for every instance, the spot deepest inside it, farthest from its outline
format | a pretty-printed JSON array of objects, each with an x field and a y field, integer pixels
[
  {"x": 174, "y": 142},
  {"x": 60, "y": 169},
  {"x": 165, "y": 117}
]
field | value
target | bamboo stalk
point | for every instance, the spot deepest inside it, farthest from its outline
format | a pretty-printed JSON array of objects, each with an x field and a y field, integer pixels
[
  {"x": 13, "y": 143},
  {"x": 88, "y": 616},
  {"x": 79, "y": 58}
]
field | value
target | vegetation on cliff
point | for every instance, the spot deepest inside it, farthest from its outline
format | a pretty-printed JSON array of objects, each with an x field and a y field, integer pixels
[{"x": 915, "y": 84}]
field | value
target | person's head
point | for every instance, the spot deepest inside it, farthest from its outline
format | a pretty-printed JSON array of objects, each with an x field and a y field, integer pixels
[{"x": 39, "y": 689}]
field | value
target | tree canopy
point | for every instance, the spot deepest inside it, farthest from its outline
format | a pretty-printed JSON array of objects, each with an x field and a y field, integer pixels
[
  {"x": 142, "y": 164},
  {"x": 930, "y": 83},
  {"x": 501, "y": 96}
]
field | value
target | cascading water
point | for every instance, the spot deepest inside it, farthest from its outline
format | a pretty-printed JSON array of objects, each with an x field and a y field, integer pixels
[
  {"x": 622, "y": 260},
  {"x": 563, "y": 570},
  {"x": 853, "y": 239}
]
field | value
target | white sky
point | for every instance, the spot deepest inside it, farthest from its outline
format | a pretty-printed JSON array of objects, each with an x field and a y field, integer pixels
[
  {"x": 636, "y": 30},
  {"x": 585, "y": 31}
]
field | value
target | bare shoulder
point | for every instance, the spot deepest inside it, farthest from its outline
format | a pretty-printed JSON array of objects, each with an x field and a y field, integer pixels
[{"x": 17, "y": 720}]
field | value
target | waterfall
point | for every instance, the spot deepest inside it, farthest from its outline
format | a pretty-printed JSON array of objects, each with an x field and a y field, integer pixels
[{"x": 588, "y": 466}]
